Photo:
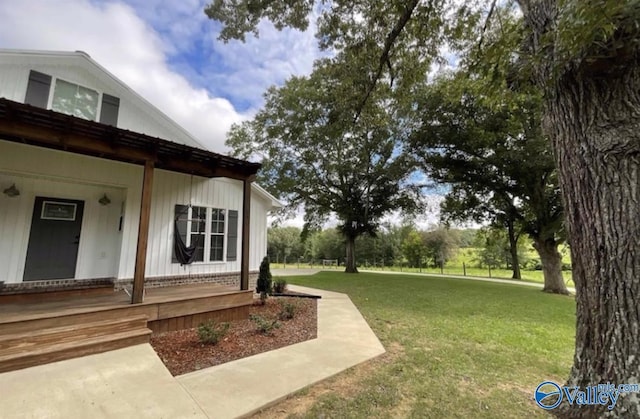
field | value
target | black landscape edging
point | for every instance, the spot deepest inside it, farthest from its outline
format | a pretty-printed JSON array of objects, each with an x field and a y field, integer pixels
[{"x": 284, "y": 294}]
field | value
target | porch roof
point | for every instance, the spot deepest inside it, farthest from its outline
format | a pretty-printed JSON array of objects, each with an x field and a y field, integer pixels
[{"x": 45, "y": 128}]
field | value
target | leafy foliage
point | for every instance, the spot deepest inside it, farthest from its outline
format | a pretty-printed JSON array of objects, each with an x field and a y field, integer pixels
[
  {"x": 284, "y": 244},
  {"x": 264, "y": 325},
  {"x": 279, "y": 286},
  {"x": 288, "y": 310},
  {"x": 414, "y": 249},
  {"x": 486, "y": 142},
  {"x": 493, "y": 245},
  {"x": 211, "y": 332},
  {"x": 315, "y": 156}
]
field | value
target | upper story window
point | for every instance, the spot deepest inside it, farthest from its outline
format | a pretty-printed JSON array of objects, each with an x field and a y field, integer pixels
[
  {"x": 62, "y": 96},
  {"x": 75, "y": 100}
]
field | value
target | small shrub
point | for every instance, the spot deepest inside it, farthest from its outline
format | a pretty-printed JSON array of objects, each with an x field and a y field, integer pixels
[
  {"x": 264, "y": 326},
  {"x": 288, "y": 310},
  {"x": 211, "y": 332},
  {"x": 279, "y": 286},
  {"x": 263, "y": 285}
]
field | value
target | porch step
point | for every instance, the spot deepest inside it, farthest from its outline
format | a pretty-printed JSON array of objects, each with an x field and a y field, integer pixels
[{"x": 22, "y": 350}]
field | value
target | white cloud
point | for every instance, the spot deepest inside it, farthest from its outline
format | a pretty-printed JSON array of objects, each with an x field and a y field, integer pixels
[
  {"x": 152, "y": 46},
  {"x": 258, "y": 63}
]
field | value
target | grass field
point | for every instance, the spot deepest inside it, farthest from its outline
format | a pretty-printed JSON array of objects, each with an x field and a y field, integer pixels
[
  {"x": 464, "y": 263},
  {"x": 456, "y": 348}
]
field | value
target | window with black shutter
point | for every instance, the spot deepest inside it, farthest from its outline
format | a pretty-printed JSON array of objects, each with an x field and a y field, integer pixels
[
  {"x": 200, "y": 234},
  {"x": 109, "y": 110},
  {"x": 38, "y": 89}
]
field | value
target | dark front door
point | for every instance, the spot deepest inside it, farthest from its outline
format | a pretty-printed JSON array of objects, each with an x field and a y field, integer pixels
[{"x": 54, "y": 239}]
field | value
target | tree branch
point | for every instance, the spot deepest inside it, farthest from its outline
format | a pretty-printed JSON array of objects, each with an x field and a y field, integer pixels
[
  {"x": 384, "y": 57},
  {"x": 486, "y": 26}
]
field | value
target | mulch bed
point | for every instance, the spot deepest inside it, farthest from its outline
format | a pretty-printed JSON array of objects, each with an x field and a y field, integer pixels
[{"x": 182, "y": 351}]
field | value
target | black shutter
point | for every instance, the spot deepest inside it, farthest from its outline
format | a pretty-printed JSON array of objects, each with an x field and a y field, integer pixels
[
  {"x": 38, "y": 89},
  {"x": 181, "y": 215},
  {"x": 109, "y": 110},
  {"x": 232, "y": 236}
]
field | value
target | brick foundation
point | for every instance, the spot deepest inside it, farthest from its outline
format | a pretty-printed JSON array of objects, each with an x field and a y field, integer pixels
[
  {"x": 229, "y": 279},
  {"x": 53, "y": 285}
]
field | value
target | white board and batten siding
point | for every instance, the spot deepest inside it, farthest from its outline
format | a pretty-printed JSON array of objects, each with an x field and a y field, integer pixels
[
  {"x": 171, "y": 188},
  {"x": 108, "y": 239},
  {"x": 105, "y": 250}
]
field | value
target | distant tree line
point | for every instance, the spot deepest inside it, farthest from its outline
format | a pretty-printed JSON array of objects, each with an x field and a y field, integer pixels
[{"x": 401, "y": 245}]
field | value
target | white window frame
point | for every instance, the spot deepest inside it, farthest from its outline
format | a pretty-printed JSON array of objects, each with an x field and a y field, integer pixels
[
  {"x": 52, "y": 89},
  {"x": 207, "y": 232}
]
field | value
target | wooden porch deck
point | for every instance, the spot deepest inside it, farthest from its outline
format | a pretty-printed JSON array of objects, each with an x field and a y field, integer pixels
[{"x": 38, "y": 332}]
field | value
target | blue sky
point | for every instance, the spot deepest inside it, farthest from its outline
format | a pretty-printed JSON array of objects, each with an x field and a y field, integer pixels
[{"x": 167, "y": 51}]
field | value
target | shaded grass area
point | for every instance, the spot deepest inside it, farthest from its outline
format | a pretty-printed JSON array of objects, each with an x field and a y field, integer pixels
[
  {"x": 527, "y": 276},
  {"x": 449, "y": 269},
  {"x": 460, "y": 348}
]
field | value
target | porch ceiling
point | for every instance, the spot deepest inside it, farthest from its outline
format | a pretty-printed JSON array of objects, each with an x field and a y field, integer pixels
[{"x": 45, "y": 128}]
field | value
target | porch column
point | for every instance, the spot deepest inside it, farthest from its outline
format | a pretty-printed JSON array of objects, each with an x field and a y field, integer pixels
[
  {"x": 246, "y": 218},
  {"x": 143, "y": 234}
]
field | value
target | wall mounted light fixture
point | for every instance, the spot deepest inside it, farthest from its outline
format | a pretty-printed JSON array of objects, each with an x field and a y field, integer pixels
[
  {"x": 11, "y": 191},
  {"x": 104, "y": 200}
]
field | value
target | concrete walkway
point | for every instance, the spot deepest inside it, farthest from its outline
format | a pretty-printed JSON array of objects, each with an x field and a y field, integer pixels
[
  {"x": 125, "y": 383},
  {"x": 242, "y": 387},
  {"x": 133, "y": 382}
]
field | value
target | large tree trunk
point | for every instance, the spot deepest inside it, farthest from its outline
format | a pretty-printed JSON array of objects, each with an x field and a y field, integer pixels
[
  {"x": 595, "y": 127},
  {"x": 593, "y": 120},
  {"x": 350, "y": 265},
  {"x": 513, "y": 251},
  {"x": 551, "y": 261}
]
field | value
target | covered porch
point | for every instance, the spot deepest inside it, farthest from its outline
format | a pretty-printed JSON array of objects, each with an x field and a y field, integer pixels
[
  {"x": 25, "y": 124},
  {"x": 58, "y": 319}
]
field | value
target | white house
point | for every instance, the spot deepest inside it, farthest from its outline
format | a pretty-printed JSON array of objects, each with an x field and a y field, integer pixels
[{"x": 96, "y": 180}]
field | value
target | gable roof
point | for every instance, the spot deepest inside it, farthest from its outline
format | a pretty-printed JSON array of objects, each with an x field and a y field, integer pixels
[{"x": 122, "y": 90}]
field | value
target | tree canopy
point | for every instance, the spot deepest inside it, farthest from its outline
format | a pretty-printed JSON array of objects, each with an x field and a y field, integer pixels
[
  {"x": 315, "y": 157},
  {"x": 584, "y": 57},
  {"x": 486, "y": 142}
]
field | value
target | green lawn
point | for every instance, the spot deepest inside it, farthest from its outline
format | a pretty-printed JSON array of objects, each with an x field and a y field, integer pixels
[
  {"x": 460, "y": 348},
  {"x": 464, "y": 263}
]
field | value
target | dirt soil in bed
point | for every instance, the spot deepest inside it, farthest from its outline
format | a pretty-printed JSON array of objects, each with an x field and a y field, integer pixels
[{"x": 182, "y": 352}]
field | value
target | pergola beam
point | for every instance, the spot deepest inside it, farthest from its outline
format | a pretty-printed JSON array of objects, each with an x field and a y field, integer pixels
[{"x": 45, "y": 128}]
